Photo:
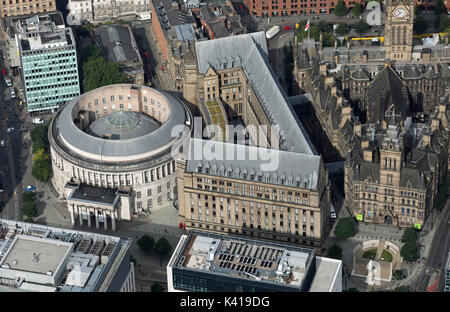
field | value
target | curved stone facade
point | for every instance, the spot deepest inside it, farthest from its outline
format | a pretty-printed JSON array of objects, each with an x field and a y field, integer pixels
[{"x": 141, "y": 163}]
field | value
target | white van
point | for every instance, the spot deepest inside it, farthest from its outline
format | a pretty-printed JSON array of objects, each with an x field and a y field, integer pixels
[
  {"x": 13, "y": 93},
  {"x": 38, "y": 120}
]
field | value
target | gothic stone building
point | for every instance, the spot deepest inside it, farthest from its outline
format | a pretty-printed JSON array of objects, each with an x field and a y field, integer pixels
[{"x": 359, "y": 86}]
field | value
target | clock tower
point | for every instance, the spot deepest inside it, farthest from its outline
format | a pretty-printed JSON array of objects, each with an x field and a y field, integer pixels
[{"x": 398, "y": 34}]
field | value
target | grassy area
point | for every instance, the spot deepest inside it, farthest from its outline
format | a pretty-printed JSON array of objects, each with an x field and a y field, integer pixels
[
  {"x": 386, "y": 256},
  {"x": 370, "y": 254}
]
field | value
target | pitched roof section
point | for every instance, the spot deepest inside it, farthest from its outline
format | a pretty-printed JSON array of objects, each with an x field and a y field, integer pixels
[
  {"x": 387, "y": 87},
  {"x": 249, "y": 51},
  {"x": 253, "y": 163}
]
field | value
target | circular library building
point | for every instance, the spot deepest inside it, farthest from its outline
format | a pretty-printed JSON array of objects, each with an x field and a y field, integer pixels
[{"x": 111, "y": 151}]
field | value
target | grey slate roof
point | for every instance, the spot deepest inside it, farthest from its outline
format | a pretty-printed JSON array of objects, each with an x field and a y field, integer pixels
[
  {"x": 69, "y": 132},
  {"x": 250, "y": 52},
  {"x": 117, "y": 41},
  {"x": 241, "y": 162}
]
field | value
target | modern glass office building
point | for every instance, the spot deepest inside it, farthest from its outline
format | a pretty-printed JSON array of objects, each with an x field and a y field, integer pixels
[{"x": 49, "y": 61}]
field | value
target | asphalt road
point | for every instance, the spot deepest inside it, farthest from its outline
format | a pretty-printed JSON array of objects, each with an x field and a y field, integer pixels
[
  {"x": 9, "y": 160},
  {"x": 438, "y": 253}
]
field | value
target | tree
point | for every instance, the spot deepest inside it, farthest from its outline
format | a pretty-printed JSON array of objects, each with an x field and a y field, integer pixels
[
  {"x": 162, "y": 247},
  {"x": 28, "y": 197},
  {"x": 41, "y": 166},
  {"x": 146, "y": 243},
  {"x": 416, "y": 10},
  {"x": 420, "y": 25},
  {"x": 157, "y": 287},
  {"x": 440, "y": 8},
  {"x": 356, "y": 9},
  {"x": 340, "y": 9},
  {"x": 352, "y": 289},
  {"x": 398, "y": 275},
  {"x": 409, "y": 252},
  {"x": 361, "y": 27},
  {"x": 98, "y": 72},
  {"x": 29, "y": 210},
  {"x": 335, "y": 252},
  {"x": 342, "y": 29},
  {"x": 409, "y": 235},
  {"x": 345, "y": 228},
  {"x": 133, "y": 259},
  {"x": 443, "y": 23}
]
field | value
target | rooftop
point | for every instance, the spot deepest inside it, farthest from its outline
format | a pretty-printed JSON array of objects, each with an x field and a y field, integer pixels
[
  {"x": 118, "y": 42},
  {"x": 253, "y": 163},
  {"x": 246, "y": 259},
  {"x": 121, "y": 125},
  {"x": 35, "y": 257},
  {"x": 249, "y": 51},
  {"x": 35, "y": 254},
  {"x": 96, "y": 194},
  {"x": 327, "y": 271}
]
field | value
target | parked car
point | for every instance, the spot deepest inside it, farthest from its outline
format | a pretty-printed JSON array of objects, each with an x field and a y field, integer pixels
[
  {"x": 38, "y": 120},
  {"x": 163, "y": 67},
  {"x": 9, "y": 130},
  {"x": 2, "y": 143},
  {"x": 13, "y": 93},
  {"x": 287, "y": 28},
  {"x": 146, "y": 54},
  {"x": 30, "y": 188}
]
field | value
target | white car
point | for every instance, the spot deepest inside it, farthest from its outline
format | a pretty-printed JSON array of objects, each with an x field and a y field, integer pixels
[
  {"x": 2, "y": 143},
  {"x": 9, "y": 130}
]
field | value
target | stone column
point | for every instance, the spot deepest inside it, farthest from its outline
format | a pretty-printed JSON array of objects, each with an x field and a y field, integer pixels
[
  {"x": 113, "y": 221},
  {"x": 80, "y": 214},
  {"x": 97, "y": 225},
  {"x": 72, "y": 217},
  {"x": 105, "y": 220},
  {"x": 88, "y": 211}
]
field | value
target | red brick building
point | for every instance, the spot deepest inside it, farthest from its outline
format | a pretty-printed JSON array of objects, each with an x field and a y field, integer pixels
[
  {"x": 428, "y": 5},
  {"x": 294, "y": 7}
]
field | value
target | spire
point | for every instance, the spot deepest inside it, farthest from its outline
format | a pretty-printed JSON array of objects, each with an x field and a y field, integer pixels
[{"x": 392, "y": 121}]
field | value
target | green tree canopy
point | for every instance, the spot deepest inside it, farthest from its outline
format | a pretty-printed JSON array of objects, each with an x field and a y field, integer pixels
[
  {"x": 342, "y": 29},
  {"x": 157, "y": 287},
  {"x": 409, "y": 235},
  {"x": 361, "y": 27},
  {"x": 409, "y": 252},
  {"x": 440, "y": 8},
  {"x": 99, "y": 72},
  {"x": 334, "y": 251},
  {"x": 28, "y": 197},
  {"x": 398, "y": 275},
  {"x": 443, "y": 22},
  {"x": 356, "y": 9},
  {"x": 29, "y": 209},
  {"x": 340, "y": 9},
  {"x": 146, "y": 243},
  {"x": 345, "y": 228},
  {"x": 416, "y": 10},
  {"x": 162, "y": 247}
]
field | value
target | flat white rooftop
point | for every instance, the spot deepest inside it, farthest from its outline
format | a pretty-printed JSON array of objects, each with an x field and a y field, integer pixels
[{"x": 37, "y": 255}]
